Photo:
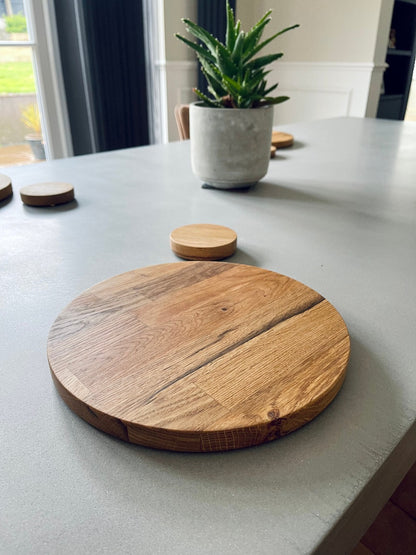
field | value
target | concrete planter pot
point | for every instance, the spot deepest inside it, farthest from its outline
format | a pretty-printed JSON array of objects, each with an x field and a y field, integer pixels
[
  {"x": 36, "y": 144},
  {"x": 230, "y": 148}
]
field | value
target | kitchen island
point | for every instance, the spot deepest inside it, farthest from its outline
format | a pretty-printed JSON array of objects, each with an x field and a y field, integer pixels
[{"x": 337, "y": 212}]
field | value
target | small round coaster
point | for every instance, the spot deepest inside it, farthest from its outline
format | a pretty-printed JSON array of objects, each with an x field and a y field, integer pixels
[
  {"x": 6, "y": 189},
  {"x": 203, "y": 242},
  {"x": 281, "y": 140},
  {"x": 47, "y": 194}
]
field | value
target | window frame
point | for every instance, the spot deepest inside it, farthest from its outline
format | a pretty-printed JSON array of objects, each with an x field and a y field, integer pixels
[{"x": 43, "y": 41}]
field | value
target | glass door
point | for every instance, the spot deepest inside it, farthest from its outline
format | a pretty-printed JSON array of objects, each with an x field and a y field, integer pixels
[
  {"x": 33, "y": 117},
  {"x": 21, "y": 136}
]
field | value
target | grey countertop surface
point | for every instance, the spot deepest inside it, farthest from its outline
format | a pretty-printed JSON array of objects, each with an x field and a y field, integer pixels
[{"x": 337, "y": 211}]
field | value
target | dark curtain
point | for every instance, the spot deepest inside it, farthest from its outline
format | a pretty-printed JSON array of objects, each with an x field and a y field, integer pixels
[
  {"x": 102, "y": 53},
  {"x": 82, "y": 133},
  {"x": 212, "y": 16}
]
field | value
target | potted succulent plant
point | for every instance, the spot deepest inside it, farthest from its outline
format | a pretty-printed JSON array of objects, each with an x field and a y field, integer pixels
[
  {"x": 231, "y": 129},
  {"x": 31, "y": 119}
]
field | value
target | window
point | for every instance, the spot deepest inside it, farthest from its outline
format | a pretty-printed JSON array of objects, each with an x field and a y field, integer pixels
[{"x": 32, "y": 109}]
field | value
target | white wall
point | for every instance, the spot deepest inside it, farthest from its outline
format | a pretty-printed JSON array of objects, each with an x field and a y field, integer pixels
[
  {"x": 332, "y": 65},
  {"x": 175, "y": 10},
  {"x": 331, "y": 30},
  {"x": 179, "y": 64}
]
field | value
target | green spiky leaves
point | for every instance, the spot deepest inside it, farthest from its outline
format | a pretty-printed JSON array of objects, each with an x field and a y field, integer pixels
[{"x": 236, "y": 79}]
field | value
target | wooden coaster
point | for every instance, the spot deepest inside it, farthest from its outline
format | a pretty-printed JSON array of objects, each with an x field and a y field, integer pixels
[
  {"x": 6, "y": 189},
  {"x": 198, "y": 356},
  {"x": 203, "y": 242},
  {"x": 281, "y": 140},
  {"x": 47, "y": 194}
]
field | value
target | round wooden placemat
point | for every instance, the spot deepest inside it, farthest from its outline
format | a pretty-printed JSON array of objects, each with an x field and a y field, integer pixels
[
  {"x": 203, "y": 242},
  {"x": 198, "y": 356},
  {"x": 281, "y": 140},
  {"x": 47, "y": 194},
  {"x": 6, "y": 189}
]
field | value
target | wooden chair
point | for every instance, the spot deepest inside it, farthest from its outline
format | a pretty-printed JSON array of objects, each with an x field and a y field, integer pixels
[{"x": 182, "y": 120}]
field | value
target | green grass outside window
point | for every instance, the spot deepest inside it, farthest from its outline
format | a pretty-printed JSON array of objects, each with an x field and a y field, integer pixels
[{"x": 16, "y": 77}]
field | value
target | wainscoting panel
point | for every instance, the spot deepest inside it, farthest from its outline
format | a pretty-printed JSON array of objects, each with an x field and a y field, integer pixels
[
  {"x": 180, "y": 78},
  {"x": 326, "y": 90},
  {"x": 316, "y": 90},
  {"x": 310, "y": 104}
]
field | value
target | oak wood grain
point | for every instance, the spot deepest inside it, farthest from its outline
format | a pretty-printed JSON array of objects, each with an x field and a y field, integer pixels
[
  {"x": 198, "y": 356},
  {"x": 281, "y": 139},
  {"x": 203, "y": 242}
]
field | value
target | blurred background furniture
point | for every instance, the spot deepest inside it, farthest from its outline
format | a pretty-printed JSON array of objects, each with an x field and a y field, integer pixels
[
  {"x": 400, "y": 59},
  {"x": 182, "y": 120}
]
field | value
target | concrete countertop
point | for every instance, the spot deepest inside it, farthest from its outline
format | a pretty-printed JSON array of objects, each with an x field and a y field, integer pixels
[{"x": 337, "y": 211}]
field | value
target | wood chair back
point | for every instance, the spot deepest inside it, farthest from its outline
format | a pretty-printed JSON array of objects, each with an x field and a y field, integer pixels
[{"x": 182, "y": 120}]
